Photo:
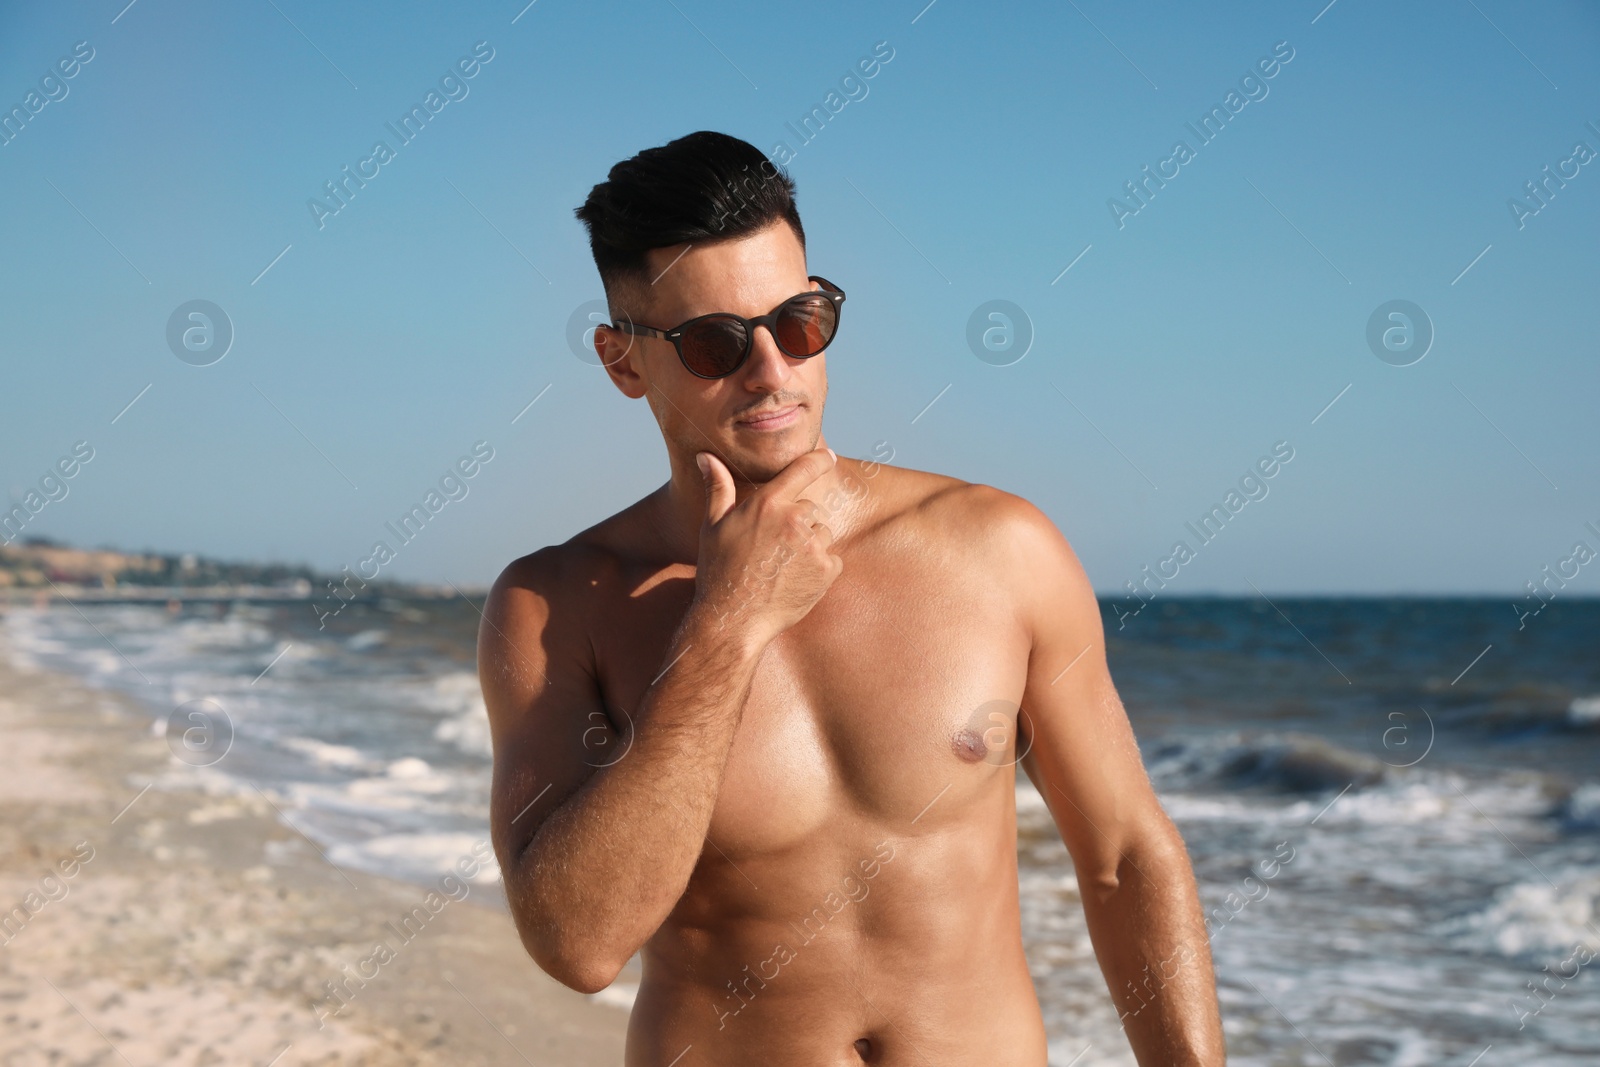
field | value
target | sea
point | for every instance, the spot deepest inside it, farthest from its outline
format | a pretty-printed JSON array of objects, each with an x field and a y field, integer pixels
[{"x": 1392, "y": 806}]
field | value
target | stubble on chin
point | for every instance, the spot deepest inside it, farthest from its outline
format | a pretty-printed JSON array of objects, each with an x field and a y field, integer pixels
[{"x": 766, "y": 465}]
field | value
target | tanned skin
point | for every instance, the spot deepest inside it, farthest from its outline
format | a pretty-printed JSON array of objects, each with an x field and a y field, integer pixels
[{"x": 762, "y": 728}]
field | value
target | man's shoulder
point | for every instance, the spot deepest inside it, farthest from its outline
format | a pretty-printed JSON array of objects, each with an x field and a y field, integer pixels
[
  {"x": 972, "y": 514},
  {"x": 999, "y": 542},
  {"x": 573, "y": 570}
]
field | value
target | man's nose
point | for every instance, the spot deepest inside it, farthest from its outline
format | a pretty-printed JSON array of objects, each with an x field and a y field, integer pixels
[{"x": 767, "y": 367}]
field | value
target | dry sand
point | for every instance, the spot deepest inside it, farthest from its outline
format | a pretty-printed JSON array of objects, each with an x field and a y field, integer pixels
[{"x": 201, "y": 929}]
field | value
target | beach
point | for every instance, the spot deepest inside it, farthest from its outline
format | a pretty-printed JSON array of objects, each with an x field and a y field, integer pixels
[
  {"x": 185, "y": 926},
  {"x": 1391, "y": 808}
]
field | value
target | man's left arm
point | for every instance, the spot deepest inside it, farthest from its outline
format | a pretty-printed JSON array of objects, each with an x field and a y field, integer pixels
[{"x": 1139, "y": 896}]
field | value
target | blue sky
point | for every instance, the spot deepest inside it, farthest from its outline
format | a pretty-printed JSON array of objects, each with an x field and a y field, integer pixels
[{"x": 976, "y": 165}]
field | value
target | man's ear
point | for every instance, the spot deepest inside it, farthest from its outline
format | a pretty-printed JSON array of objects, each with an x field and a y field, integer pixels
[{"x": 623, "y": 358}]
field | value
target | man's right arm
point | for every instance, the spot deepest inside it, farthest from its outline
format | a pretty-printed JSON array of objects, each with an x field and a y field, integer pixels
[
  {"x": 596, "y": 848},
  {"x": 595, "y": 857}
]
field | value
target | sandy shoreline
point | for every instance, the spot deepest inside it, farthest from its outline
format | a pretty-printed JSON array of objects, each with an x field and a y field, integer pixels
[{"x": 163, "y": 927}]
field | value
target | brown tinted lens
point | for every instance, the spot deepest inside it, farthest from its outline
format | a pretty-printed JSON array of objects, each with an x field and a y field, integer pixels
[
  {"x": 714, "y": 347},
  {"x": 806, "y": 325}
]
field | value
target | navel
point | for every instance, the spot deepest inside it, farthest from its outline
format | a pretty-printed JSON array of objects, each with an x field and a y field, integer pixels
[{"x": 863, "y": 1047}]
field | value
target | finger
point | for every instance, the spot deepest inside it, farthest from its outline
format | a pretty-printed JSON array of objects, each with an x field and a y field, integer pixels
[
  {"x": 719, "y": 486},
  {"x": 822, "y": 535},
  {"x": 793, "y": 479}
]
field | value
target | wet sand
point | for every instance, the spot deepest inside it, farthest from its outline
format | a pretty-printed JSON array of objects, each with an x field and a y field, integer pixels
[{"x": 146, "y": 926}]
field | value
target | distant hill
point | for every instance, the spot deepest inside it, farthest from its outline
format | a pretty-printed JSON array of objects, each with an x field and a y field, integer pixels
[{"x": 50, "y": 567}]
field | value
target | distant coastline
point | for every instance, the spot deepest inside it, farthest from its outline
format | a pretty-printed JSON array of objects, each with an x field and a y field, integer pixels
[{"x": 39, "y": 568}]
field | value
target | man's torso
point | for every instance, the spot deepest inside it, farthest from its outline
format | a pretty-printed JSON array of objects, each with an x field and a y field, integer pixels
[{"x": 858, "y": 887}]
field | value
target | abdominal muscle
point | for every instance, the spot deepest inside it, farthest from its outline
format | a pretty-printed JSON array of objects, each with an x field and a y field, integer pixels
[{"x": 888, "y": 949}]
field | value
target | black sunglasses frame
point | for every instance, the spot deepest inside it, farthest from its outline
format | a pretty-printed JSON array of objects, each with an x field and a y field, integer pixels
[{"x": 769, "y": 320}]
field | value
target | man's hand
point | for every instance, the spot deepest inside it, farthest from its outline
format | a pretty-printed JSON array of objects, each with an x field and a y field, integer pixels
[{"x": 764, "y": 561}]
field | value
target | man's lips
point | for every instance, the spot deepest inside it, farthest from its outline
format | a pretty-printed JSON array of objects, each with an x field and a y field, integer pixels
[{"x": 775, "y": 419}]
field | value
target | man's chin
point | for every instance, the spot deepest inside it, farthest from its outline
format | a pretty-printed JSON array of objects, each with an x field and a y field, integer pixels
[{"x": 763, "y": 461}]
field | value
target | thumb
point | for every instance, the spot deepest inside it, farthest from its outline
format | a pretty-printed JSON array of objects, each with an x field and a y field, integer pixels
[{"x": 719, "y": 486}]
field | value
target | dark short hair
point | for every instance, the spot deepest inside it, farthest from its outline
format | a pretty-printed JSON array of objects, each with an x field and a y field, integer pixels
[{"x": 703, "y": 187}]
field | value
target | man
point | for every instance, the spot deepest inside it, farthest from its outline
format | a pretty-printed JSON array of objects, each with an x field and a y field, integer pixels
[{"x": 761, "y": 726}]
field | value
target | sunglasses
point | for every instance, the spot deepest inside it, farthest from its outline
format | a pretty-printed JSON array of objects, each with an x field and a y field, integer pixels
[{"x": 716, "y": 345}]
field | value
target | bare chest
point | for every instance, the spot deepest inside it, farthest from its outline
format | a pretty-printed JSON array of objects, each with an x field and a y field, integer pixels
[{"x": 899, "y": 689}]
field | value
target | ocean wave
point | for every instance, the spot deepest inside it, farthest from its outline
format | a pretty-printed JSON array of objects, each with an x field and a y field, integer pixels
[
  {"x": 1279, "y": 763},
  {"x": 457, "y": 696},
  {"x": 366, "y": 639},
  {"x": 1517, "y": 711},
  {"x": 1580, "y": 811},
  {"x": 1534, "y": 920},
  {"x": 323, "y": 754},
  {"x": 405, "y": 784},
  {"x": 420, "y": 857},
  {"x": 1584, "y": 711},
  {"x": 1290, "y": 779}
]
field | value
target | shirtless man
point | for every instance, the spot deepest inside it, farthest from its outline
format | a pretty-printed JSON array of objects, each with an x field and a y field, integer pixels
[{"x": 762, "y": 726}]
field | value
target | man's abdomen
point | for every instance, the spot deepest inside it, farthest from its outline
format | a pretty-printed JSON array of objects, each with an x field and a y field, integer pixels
[{"x": 910, "y": 950}]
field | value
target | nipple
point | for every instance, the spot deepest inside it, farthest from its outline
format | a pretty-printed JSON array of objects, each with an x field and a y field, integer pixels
[{"x": 969, "y": 746}]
